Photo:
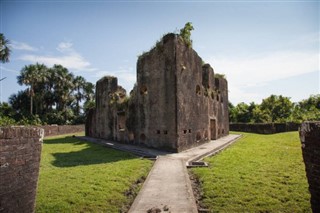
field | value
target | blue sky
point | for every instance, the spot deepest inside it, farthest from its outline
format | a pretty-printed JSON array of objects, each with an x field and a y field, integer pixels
[{"x": 262, "y": 47}]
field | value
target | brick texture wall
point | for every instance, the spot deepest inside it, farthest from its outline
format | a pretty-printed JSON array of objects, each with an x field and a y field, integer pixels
[
  {"x": 20, "y": 149},
  {"x": 264, "y": 128},
  {"x": 310, "y": 140},
  {"x": 51, "y": 130}
]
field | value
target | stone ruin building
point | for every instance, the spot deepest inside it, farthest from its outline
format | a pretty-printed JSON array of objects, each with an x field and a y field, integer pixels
[{"x": 176, "y": 104}]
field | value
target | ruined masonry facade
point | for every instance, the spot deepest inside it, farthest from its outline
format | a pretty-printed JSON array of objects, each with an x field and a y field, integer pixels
[{"x": 176, "y": 104}]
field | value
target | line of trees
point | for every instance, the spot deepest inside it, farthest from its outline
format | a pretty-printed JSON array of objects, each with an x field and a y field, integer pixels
[
  {"x": 54, "y": 96},
  {"x": 276, "y": 109}
]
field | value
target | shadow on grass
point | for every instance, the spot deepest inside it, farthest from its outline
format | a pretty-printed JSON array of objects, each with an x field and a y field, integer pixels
[{"x": 91, "y": 153}]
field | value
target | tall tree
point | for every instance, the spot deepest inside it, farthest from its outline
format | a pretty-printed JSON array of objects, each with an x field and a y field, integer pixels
[
  {"x": 63, "y": 88},
  {"x": 4, "y": 49},
  {"x": 279, "y": 108},
  {"x": 79, "y": 84},
  {"x": 32, "y": 76}
]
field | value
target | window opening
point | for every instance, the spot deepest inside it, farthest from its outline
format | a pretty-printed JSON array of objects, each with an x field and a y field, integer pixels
[
  {"x": 143, "y": 90},
  {"x": 198, "y": 90}
]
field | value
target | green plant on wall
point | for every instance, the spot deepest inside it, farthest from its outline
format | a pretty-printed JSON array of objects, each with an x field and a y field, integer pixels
[{"x": 185, "y": 33}]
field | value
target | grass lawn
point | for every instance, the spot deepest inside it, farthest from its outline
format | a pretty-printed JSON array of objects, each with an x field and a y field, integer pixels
[
  {"x": 259, "y": 173},
  {"x": 77, "y": 176}
]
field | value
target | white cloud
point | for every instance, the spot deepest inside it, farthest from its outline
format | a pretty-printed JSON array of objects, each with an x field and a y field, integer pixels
[
  {"x": 73, "y": 61},
  {"x": 65, "y": 47},
  {"x": 70, "y": 58},
  {"x": 254, "y": 71},
  {"x": 22, "y": 46}
]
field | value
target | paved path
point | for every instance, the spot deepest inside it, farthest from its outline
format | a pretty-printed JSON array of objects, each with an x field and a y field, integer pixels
[{"x": 168, "y": 187}]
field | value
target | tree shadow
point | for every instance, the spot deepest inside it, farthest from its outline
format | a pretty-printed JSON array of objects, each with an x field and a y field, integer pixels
[{"x": 90, "y": 155}]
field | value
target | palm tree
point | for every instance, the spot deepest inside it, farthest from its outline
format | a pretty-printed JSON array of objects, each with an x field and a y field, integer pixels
[
  {"x": 33, "y": 76},
  {"x": 63, "y": 87},
  {"x": 4, "y": 49},
  {"x": 79, "y": 84}
]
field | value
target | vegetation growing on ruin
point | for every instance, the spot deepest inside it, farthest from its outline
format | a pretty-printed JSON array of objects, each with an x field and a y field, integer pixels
[
  {"x": 259, "y": 173},
  {"x": 76, "y": 176},
  {"x": 185, "y": 33},
  {"x": 218, "y": 75}
]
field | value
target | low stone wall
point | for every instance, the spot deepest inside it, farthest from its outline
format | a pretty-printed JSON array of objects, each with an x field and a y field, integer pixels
[
  {"x": 51, "y": 130},
  {"x": 264, "y": 128},
  {"x": 310, "y": 140},
  {"x": 20, "y": 152}
]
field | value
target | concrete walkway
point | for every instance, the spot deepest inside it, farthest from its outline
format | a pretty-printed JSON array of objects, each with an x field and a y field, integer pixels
[{"x": 168, "y": 187}]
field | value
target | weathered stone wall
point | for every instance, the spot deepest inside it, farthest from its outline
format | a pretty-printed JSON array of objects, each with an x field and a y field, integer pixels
[
  {"x": 310, "y": 140},
  {"x": 156, "y": 96},
  {"x": 192, "y": 101},
  {"x": 51, "y": 130},
  {"x": 100, "y": 121},
  {"x": 20, "y": 149},
  {"x": 222, "y": 107},
  {"x": 264, "y": 128}
]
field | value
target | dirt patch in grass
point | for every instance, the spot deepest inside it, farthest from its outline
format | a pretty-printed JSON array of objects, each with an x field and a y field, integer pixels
[
  {"x": 197, "y": 192},
  {"x": 131, "y": 194}
]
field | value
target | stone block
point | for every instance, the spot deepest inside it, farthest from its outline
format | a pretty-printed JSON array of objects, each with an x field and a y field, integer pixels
[{"x": 310, "y": 142}]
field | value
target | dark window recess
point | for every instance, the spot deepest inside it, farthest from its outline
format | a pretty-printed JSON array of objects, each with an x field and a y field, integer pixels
[
  {"x": 189, "y": 130},
  {"x": 143, "y": 90},
  {"x": 158, "y": 131},
  {"x": 185, "y": 131},
  {"x": 165, "y": 132},
  {"x": 198, "y": 137},
  {"x": 198, "y": 90},
  {"x": 142, "y": 137}
]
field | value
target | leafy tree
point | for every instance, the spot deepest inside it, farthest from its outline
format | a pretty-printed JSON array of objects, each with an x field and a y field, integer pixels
[
  {"x": 232, "y": 113},
  {"x": 6, "y": 110},
  {"x": 20, "y": 103},
  {"x": 242, "y": 113},
  {"x": 308, "y": 109},
  {"x": 260, "y": 116},
  {"x": 55, "y": 95},
  {"x": 279, "y": 108},
  {"x": 185, "y": 33},
  {"x": 4, "y": 49}
]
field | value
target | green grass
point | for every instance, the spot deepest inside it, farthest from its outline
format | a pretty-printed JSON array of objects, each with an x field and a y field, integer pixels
[
  {"x": 259, "y": 173},
  {"x": 76, "y": 176}
]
